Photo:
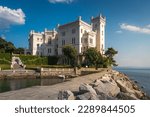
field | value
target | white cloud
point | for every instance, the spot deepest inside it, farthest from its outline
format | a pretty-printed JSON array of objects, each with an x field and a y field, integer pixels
[
  {"x": 61, "y": 1},
  {"x": 148, "y": 26},
  {"x": 133, "y": 28},
  {"x": 11, "y": 17}
]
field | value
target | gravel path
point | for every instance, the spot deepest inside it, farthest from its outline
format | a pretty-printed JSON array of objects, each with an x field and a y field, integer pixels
[{"x": 49, "y": 92}]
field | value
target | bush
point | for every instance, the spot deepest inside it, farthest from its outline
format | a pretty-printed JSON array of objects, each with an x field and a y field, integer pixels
[
  {"x": 5, "y": 58},
  {"x": 33, "y": 60},
  {"x": 52, "y": 60},
  {"x": 4, "y": 67}
]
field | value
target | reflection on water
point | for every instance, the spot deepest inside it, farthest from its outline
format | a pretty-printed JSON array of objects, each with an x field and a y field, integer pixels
[{"x": 14, "y": 84}]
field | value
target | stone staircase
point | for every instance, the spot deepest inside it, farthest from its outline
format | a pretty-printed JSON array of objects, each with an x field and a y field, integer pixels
[{"x": 16, "y": 63}]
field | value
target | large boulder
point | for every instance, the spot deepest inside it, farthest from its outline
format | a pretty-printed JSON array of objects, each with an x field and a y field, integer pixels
[
  {"x": 84, "y": 88},
  {"x": 126, "y": 96},
  {"x": 87, "y": 96},
  {"x": 66, "y": 95},
  {"x": 128, "y": 87},
  {"x": 103, "y": 96},
  {"x": 107, "y": 86}
]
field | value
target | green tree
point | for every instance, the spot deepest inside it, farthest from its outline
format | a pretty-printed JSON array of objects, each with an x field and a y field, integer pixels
[
  {"x": 19, "y": 50},
  {"x": 6, "y": 47},
  {"x": 93, "y": 57},
  {"x": 71, "y": 54},
  {"x": 110, "y": 53}
]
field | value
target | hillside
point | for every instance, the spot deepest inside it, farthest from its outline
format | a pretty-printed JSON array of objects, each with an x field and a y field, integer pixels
[{"x": 6, "y": 47}]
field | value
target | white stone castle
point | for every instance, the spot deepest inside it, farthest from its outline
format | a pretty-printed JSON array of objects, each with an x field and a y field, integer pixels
[{"x": 78, "y": 34}]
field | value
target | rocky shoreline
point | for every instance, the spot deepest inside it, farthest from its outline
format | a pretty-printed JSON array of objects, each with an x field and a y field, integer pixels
[{"x": 113, "y": 85}]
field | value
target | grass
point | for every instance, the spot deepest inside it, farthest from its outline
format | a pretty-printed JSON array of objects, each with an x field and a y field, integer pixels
[{"x": 4, "y": 66}]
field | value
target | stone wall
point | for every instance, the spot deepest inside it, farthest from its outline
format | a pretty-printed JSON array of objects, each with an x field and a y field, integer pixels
[
  {"x": 56, "y": 71},
  {"x": 17, "y": 73}
]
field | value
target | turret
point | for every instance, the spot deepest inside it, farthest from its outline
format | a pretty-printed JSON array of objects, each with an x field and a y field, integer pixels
[{"x": 98, "y": 25}]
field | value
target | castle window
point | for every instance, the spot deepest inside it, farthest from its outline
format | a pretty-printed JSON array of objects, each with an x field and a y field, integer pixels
[
  {"x": 84, "y": 49},
  {"x": 73, "y": 40},
  {"x": 63, "y": 42},
  {"x": 91, "y": 41},
  {"x": 85, "y": 40},
  {"x": 73, "y": 31},
  {"x": 49, "y": 50},
  {"x": 49, "y": 41},
  {"x": 38, "y": 45},
  {"x": 102, "y": 47},
  {"x": 102, "y": 32},
  {"x": 81, "y": 30},
  {"x": 63, "y": 33},
  {"x": 81, "y": 40}
]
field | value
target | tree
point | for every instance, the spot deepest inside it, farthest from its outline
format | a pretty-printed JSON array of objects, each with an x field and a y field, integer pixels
[
  {"x": 19, "y": 51},
  {"x": 93, "y": 57},
  {"x": 71, "y": 54},
  {"x": 6, "y": 47},
  {"x": 110, "y": 53}
]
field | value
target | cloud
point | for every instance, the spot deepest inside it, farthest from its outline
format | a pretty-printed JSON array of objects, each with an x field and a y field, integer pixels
[
  {"x": 148, "y": 26},
  {"x": 133, "y": 28},
  {"x": 119, "y": 32},
  {"x": 11, "y": 17},
  {"x": 60, "y": 1}
]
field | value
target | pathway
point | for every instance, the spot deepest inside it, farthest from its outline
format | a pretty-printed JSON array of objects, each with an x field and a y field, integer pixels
[{"x": 49, "y": 92}]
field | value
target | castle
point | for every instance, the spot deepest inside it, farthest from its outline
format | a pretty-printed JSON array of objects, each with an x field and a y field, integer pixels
[{"x": 78, "y": 34}]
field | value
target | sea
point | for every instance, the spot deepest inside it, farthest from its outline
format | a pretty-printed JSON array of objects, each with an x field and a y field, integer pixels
[{"x": 141, "y": 76}]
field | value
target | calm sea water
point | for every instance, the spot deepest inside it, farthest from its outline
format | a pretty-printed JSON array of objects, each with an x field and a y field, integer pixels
[
  {"x": 141, "y": 76},
  {"x": 15, "y": 84}
]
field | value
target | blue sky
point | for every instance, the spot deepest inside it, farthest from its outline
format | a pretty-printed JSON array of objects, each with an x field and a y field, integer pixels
[{"x": 127, "y": 29}]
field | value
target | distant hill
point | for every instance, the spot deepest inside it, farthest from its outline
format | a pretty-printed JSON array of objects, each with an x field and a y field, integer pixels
[{"x": 8, "y": 47}]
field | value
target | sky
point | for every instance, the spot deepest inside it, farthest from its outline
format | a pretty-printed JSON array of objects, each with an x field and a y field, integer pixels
[{"x": 127, "y": 25}]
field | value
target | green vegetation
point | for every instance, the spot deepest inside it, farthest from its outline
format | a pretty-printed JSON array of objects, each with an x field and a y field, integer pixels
[
  {"x": 110, "y": 53},
  {"x": 5, "y": 58},
  {"x": 94, "y": 58},
  {"x": 38, "y": 60},
  {"x": 19, "y": 50},
  {"x": 71, "y": 54},
  {"x": 4, "y": 66},
  {"x": 33, "y": 60},
  {"x": 8, "y": 47}
]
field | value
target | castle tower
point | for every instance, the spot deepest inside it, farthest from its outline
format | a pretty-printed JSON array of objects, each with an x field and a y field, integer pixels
[{"x": 98, "y": 25}]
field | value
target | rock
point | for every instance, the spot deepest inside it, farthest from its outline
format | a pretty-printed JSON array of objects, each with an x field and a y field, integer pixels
[
  {"x": 103, "y": 96},
  {"x": 96, "y": 83},
  {"x": 84, "y": 88},
  {"x": 124, "y": 87},
  {"x": 61, "y": 76},
  {"x": 128, "y": 87},
  {"x": 126, "y": 96},
  {"x": 107, "y": 86},
  {"x": 139, "y": 94},
  {"x": 87, "y": 96},
  {"x": 142, "y": 87},
  {"x": 66, "y": 95},
  {"x": 136, "y": 81}
]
